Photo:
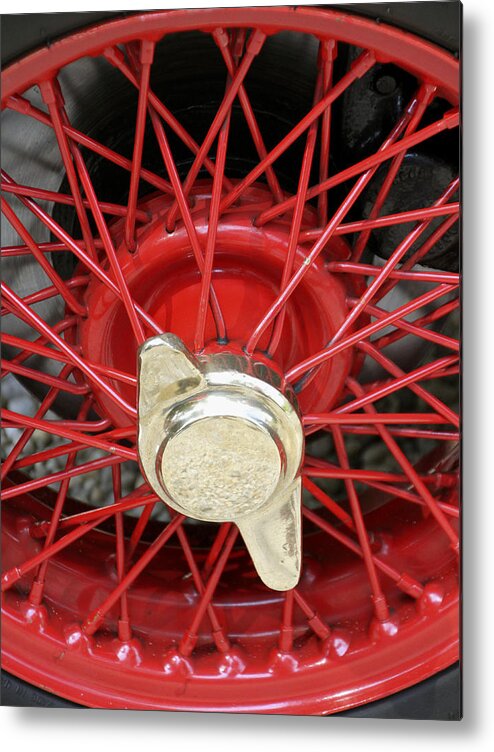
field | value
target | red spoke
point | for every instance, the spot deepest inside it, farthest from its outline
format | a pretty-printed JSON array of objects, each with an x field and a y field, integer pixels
[
  {"x": 43, "y": 378},
  {"x": 328, "y": 502},
  {"x": 365, "y": 332},
  {"x": 448, "y": 509},
  {"x": 50, "y": 272},
  {"x": 448, "y": 121},
  {"x": 367, "y": 270},
  {"x": 190, "y": 636},
  {"x": 390, "y": 264},
  {"x": 129, "y": 303},
  {"x": 13, "y": 575},
  {"x": 328, "y": 54},
  {"x": 411, "y": 473},
  {"x": 52, "y": 452},
  {"x": 358, "y": 69},
  {"x": 432, "y": 376},
  {"x": 220, "y": 162},
  {"x": 422, "y": 251},
  {"x": 116, "y": 58},
  {"x": 116, "y": 210},
  {"x": 419, "y": 254},
  {"x": 21, "y": 105},
  {"x": 286, "y": 627},
  {"x": 63, "y": 326},
  {"x": 410, "y": 433},
  {"x": 298, "y": 212},
  {"x": 45, "y": 405},
  {"x": 404, "y": 581},
  {"x": 95, "y": 619},
  {"x": 378, "y": 598},
  {"x": 96, "y": 426},
  {"x": 139, "y": 528},
  {"x": 71, "y": 245},
  {"x": 232, "y": 58},
  {"x": 387, "y": 220},
  {"x": 429, "y": 318},
  {"x": 206, "y": 282},
  {"x": 53, "y": 98},
  {"x": 313, "y": 619},
  {"x": 339, "y": 419},
  {"x": 54, "y": 427},
  {"x": 37, "y": 587},
  {"x": 47, "y": 293},
  {"x": 218, "y": 634},
  {"x": 392, "y": 490},
  {"x": 37, "y": 323},
  {"x": 186, "y": 215},
  {"x": 133, "y": 500},
  {"x": 33, "y": 348},
  {"x": 425, "y": 96},
  {"x": 321, "y": 469},
  {"x": 124, "y": 630},
  {"x": 23, "y": 250},
  {"x": 254, "y": 46},
  {"x": 401, "y": 380},
  {"x": 146, "y": 54},
  {"x": 216, "y": 548},
  {"x": 429, "y": 370},
  {"x": 318, "y": 247},
  {"x": 48, "y": 480}
]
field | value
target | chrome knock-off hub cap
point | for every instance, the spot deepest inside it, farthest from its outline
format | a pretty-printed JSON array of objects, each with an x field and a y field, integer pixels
[{"x": 221, "y": 440}]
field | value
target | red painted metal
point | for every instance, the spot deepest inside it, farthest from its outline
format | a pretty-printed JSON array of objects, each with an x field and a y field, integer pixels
[
  {"x": 166, "y": 270},
  {"x": 19, "y": 104},
  {"x": 333, "y": 349},
  {"x": 299, "y": 208},
  {"x": 450, "y": 120},
  {"x": 424, "y": 97},
  {"x": 328, "y": 232},
  {"x": 385, "y": 221},
  {"x": 159, "y": 615}
]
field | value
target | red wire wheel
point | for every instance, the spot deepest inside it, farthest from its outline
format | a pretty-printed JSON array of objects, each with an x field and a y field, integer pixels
[{"x": 329, "y": 274}]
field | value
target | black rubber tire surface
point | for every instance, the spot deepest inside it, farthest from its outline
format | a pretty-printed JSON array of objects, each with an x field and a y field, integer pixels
[{"x": 439, "y": 697}]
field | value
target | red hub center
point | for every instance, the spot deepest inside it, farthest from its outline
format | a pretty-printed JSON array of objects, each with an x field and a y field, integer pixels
[{"x": 163, "y": 277}]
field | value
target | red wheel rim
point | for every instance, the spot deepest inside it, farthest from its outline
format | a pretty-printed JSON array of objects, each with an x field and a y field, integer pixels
[{"x": 116, "y": 611}]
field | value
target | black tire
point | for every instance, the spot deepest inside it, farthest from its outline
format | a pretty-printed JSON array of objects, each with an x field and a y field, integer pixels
[{"x": 439, "y": 697}]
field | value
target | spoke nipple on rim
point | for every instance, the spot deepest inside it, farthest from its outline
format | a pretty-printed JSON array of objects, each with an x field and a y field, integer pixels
[
  {"x": 283, "y": 662},
  {"x": 337, "y": 644},
  {"x": 432, "y": 598},
  {"x": 383, "y": 629},
  {"x": 176, "y": 664}
]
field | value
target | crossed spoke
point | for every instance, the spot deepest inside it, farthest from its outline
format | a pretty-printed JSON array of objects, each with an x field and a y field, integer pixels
[{"x": 328, "y": 232}]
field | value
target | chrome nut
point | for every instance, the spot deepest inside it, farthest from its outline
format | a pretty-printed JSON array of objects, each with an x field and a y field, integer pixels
[{"x": 219, "y": 441}]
